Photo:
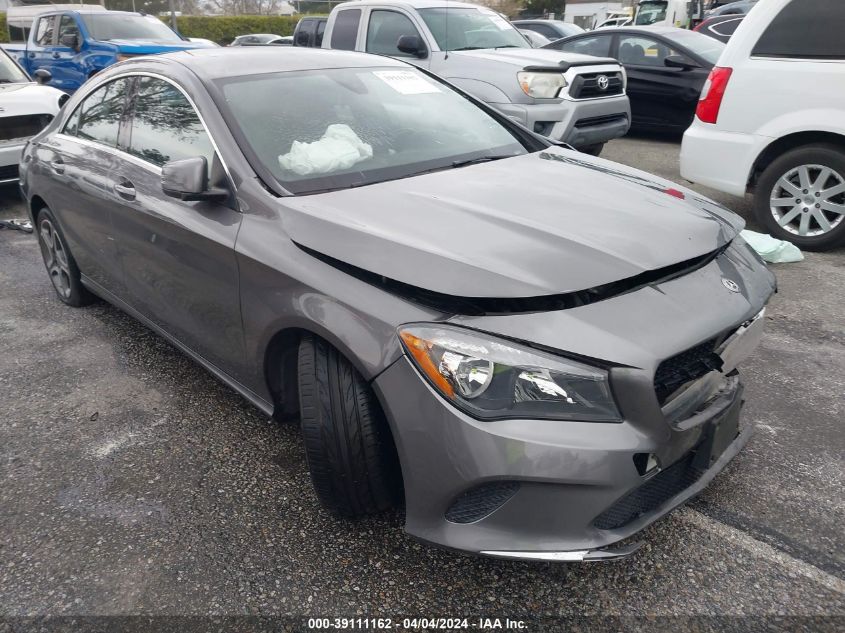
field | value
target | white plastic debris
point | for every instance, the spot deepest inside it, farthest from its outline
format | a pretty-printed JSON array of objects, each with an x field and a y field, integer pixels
[
  {"x": 771, "y": 249},
  {"x": 339, "y": 148}
]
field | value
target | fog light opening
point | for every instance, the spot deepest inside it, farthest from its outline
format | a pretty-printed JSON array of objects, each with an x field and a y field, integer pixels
[{"x": 646, "y": 463}]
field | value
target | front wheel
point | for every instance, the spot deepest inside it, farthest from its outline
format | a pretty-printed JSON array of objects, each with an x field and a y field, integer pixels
[
  {"x": 62, "y": 268},
  {"x": 800, "y": 197},
  {"x": 348, "y": 445}
]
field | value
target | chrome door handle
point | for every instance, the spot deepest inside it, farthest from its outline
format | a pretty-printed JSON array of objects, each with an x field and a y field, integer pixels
[{"x": 125, "y": 191}]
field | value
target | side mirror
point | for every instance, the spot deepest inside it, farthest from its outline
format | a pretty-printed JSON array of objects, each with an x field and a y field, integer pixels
[
  {"x": 187, "y": 179},
  {"x": 412, "y": 45},
  {"x": 71, "y": 40},
  {"x": 42, "y": 76},
  {"x": 677, "y": 61}
]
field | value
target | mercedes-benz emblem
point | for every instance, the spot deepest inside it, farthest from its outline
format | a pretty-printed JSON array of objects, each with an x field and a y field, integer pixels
[
  {"x": 603, "y": 82},
  {"x": 730, "y": 285}
]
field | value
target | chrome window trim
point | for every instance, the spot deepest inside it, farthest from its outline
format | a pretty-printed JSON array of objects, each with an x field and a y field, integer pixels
[
  {"x": 123, "y": 153},
  {"x": 111, "y": 150}
]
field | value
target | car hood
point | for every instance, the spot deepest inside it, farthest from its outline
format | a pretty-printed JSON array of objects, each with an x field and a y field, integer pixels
[
  {"x": 546, "y": 223},
  {"x": 28, "y": 98},
  {"x": 523, "y": 57}
]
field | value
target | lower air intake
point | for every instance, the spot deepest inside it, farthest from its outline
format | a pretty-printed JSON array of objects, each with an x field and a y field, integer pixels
[
  {"x": 479, "y": 502},
  {"x": 651, "y": 495}
]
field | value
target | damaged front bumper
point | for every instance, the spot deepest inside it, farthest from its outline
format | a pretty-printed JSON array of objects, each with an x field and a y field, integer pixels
[{"x": 572, "y": 491}]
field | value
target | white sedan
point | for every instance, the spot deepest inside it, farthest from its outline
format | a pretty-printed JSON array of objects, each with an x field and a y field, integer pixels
[{"x": 26, "y": 107}]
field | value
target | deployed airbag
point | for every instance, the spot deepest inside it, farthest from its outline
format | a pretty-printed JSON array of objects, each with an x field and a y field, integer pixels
[{"x": 339, "y": 148}]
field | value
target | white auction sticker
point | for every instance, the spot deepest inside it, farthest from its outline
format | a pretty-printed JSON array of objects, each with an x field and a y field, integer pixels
[{"x": 406, "y": 82}]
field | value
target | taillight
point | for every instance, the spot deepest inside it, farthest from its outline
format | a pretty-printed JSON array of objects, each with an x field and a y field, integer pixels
[{"x": 712, "y": 94}]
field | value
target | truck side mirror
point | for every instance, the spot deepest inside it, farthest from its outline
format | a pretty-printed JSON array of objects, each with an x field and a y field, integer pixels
[
  {"x": 187, "y": 179},
  {"x": 42, "y": 76},
  {"x": 71, "y": 40},
  {"x": 412, "y": 45}
]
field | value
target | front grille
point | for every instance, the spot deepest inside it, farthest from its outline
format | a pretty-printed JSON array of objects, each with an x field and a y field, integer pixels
[
  {"x": 23, "y": 127},
  {"x": 687, "y": 366},
  {"x": 600, "y": 120},
  {"x": 479, "y": 502},
  {"x": 586, "y": 86},
  {"x": 651, "y": 495},
  {"x": 8, "y": 172}
]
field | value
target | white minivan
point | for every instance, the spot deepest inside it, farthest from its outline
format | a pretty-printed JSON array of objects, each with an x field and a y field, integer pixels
[{"x": 771, "y": 121}]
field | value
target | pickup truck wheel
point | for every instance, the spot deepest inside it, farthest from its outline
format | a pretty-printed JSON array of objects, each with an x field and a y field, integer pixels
[
  {"x": 800, "y": 197},
  {"x": 62, "y": 268},
  {"x": 348, "y": 445},
  {"x": 592, "y": 150}
]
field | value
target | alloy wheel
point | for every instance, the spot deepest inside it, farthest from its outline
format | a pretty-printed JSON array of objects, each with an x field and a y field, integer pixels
[
  {"x": 55, "y": 257},
  {"x": 809, "y": 200}
]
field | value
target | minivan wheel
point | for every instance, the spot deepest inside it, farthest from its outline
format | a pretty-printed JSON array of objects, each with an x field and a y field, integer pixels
[
  {"x": 348, "y": 446},
  {"x": 59, "y": 262},
  {"x": 800, "y": 197}
]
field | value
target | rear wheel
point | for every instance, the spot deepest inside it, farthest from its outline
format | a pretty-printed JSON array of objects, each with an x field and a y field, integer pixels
[
  {"x": 62, "y": 268},
  {"x": 800, "y": 197},
  {"x": 348, "y": 446}
]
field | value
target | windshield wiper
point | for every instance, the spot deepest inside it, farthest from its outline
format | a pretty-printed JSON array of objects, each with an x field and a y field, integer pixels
[{"x": 480, "y": 159}]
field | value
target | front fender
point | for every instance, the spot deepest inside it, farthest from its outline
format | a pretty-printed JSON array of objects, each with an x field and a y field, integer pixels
[{"x": 483, "y": 90}]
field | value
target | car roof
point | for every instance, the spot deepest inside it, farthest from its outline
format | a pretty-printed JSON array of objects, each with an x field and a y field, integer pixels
[
  {"x": 417, "y": 4},
  {"x": 219, "y": 63},
  {"x": 639, "y": 30}
]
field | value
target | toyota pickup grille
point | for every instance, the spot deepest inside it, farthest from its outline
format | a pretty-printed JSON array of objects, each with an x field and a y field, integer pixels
[{"x": 591, "y": 86}]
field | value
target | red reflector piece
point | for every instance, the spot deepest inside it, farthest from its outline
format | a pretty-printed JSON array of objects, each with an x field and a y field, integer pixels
[
  {"x": 712, "y": 95},
  {"x": 675, "y": 193}
]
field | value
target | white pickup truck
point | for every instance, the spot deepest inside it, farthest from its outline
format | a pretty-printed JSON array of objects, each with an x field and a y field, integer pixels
[{"x": 572, "y": 98}]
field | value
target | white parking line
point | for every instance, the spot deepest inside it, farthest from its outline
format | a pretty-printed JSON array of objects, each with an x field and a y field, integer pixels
[{"x": 763, "y": 550}]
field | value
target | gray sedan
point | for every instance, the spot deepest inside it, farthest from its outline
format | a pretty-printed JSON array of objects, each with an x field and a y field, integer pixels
[{"x": 535, "y": 348}]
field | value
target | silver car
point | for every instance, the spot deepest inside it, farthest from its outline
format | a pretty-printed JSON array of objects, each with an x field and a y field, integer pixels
[{"x": 537, "y": 349}]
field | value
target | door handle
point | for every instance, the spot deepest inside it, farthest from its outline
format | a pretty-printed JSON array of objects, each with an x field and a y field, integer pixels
[
  {"x": 58, "y": 165},
  {"x": 32, "y": 55},
  {"x": 56, "y": 55},
  {"x": 125, "y": 190}
]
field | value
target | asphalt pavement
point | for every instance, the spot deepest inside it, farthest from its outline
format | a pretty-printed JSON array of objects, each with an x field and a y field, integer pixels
[{"x": 133, "y": 483}]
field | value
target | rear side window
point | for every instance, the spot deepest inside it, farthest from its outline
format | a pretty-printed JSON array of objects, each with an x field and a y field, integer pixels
[
  {"x": 321, "y": 29},
  {"x": 345, "y": 31},
  {"x": 805, "y": 29},
  {"x": 598, "y": 45},
  {"x": 165, "y": 125},
  {"x": 98, "y": 118}
]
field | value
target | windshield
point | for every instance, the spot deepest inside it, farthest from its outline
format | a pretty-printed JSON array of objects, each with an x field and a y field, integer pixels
[
  {"x": 470, "y": 29},
  {"x": 117, "y": 26},
  {"x": 332, "y": 129},
  {"x": 9, "y": 71},
  {"x": 703, "y": 46},
  {"x": 651, "y": 11}
]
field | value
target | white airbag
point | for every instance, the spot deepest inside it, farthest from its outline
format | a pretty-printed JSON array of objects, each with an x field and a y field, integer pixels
[{"x": 339, "y": 148}]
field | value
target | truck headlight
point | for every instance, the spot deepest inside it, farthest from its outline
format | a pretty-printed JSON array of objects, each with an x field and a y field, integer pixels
[
  {"x": 491, "y": 378},
  {"x": 541, "y": 85}
]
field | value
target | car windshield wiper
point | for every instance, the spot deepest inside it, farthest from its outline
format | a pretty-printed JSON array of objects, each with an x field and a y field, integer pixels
[{"x": 480, "y": 159}]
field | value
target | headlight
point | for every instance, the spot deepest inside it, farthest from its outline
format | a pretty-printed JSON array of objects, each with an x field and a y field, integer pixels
[
  {"x": 491, "y": 378},
  {"x": 541, "y": 85}
]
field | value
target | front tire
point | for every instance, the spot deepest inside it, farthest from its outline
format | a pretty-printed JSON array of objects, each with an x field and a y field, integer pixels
[
  {"x": 348, "y": 446},
  {"x": 800, "y": 197},
  {"x": 60, "y": 264}
]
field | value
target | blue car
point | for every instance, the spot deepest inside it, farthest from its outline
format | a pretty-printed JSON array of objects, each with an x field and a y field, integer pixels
[{"x": 74, "y": 45}]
